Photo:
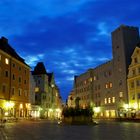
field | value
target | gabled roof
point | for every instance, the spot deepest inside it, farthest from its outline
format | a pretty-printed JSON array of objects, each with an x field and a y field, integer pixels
[
  {"x": 5, "y": 47},
  {"x": 39, "y": 69}
]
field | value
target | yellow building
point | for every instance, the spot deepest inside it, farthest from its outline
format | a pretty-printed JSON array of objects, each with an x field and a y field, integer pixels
[
  {"x": 134, "y": 83},
  {"x": 14, "y": 82}
]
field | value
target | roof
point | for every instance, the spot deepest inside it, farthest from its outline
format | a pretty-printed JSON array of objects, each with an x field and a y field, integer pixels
[
  {"x": 4, "y": 46},
  {"x": 50, "y": 76},
  {"x": 39, "y": 69}
]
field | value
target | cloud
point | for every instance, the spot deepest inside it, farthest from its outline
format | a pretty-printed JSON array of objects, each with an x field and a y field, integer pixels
[
  {"x": 69, "y": 36},
  {"x": 32, "y": 60}
]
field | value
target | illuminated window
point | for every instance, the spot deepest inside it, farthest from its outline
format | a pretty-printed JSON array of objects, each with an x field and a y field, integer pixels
[
  {"x": 85, "y": 81},
  {"x": 37, "y": 89},
  {"x": 94, "y": 78},
  {"x": 105, "y": 101},
  {"x": 120, "y": 94},
  {"x": 109, "y": 100},
  {"x": 90, "y": 79},
  {"x": 110, "y": 85},
  {"x": 106, "y": 85},
  {"x": 6, "y": 61},
  {"x": 113, "y": 99}
]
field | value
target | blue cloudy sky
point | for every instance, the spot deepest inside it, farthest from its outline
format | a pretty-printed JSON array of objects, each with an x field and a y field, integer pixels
[{"x": 69, "y": 36}]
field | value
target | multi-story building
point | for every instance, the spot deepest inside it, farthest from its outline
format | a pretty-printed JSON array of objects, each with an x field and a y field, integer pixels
[
  {"x": 14, "y": 82},
  {"x": 71, "y": 99},
  {"x": 134, "y": 84},
  {"x": 105, "y": 87},
  {"x": 46, "y": 91}
]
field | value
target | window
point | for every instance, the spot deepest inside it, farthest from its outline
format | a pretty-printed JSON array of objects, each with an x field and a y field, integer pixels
[
  {"x": 135, "y": 60},
  {"x": 120, "y": 94},
  {"x": 139, "y": 70},
  {"x": 25, "y": 93},
  {"x": 105, "y": 100},
  {"x": 133, "y": 97},
  {"x": 132, "y": 84},
  {"x": 0, "y": 57},
  {"x": 138, "y": 82},
  {"x": 25, "y": 82},
  {"x": 106, "y": 85},
  {"x": 13, "y": 77},
  {"x": 113, "y": 99},
  {"x": 19, "y": 92},
  {"x": 133, "y": 72},
  {"x": 14, "y": 65},
  {"x": 19, "y": 68},
  {"x": 109, "y": 100},
  {"x": 6, "y": 73},
  {"x": 138, "y": 95},
  {"x": 94, "y": 78},
  {"x": 19, "y": 79},
  {"x": 110, "y": 85},
  {"x": 13, "y": 91},
  {"x": 4, "y": 88},
  {"x": 6, "y": 61},
  {"x": 38, "y": 81},
  {"x": 25, "y": 71},
  {"x": 37, "y": 89}
]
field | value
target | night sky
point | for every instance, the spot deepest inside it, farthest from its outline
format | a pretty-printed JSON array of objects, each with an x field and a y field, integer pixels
[{"x": 69, "y": 36}]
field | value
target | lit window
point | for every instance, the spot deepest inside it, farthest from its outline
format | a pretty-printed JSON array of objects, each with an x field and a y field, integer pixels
[
  {"x": 109, "y": 100},
  {"x": 113, "y": 99},
  {"x": 105, "y": 101},
  {"x": 90, "y": 79},
  {"x": 110, "y": 85},
  {"x": 121, "y": 94},
  {"x": 94, "y": 78},
  {"x": 37, "y": 89},
  {"x": 85, "y": 82},
  {"x": 6, "y": 61},
  {"x": 106, "y": 85}
]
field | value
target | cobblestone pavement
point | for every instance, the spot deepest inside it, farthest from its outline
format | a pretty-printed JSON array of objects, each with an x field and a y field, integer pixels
[{"x": 44, "y": 130}]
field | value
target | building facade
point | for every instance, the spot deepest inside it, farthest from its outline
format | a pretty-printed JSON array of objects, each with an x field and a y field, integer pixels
[
  {"x": 105, "y": 87},
  {"x": 134, "y": 85},
  {"x": 14, "y": 82},
  {"x": 46, "y": 92}
]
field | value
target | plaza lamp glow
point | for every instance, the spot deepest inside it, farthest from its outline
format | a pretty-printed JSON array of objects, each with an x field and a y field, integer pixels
[
  {"x": 135, "y": 106},
  {"x": 126, "y": 106},
  {"x": 96, "y": 109},
  {"x": 50, "y": 110},
  {"x": 9, "y": 105}
]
